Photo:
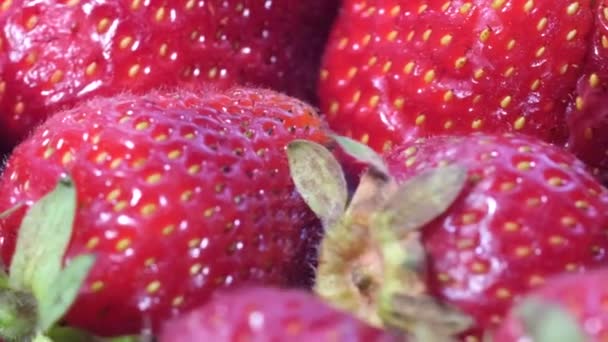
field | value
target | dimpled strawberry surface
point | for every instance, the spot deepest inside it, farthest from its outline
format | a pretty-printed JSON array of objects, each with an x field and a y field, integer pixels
[
  {"x": 397, "y": 70},
  {"x": 268, "y": 314},
  {"x": 55, "y": 53},
  {"x": 179, "y": 193},
  {"x": 529, "y": 211}
]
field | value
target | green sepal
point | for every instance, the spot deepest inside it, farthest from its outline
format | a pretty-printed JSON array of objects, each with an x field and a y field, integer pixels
[
  {"x": 319, "y": 179},
  {"x": 57, "y": 299},
  {"x": 402, "y": 301},
  {"x": 424, "y": 197},
  {"x": 36, "y": 270},
  {"x": 362, "y": 153},
  {"x": 43, "y": 338},
  {"x": 4, "y": 282},
  {"x": 69, "y": 334},
  {"x": 43, "y": 238},
  {"x": 426, "y": 318},
  {"x": 549, "y": 322},
  {"x": 370, "y": 263}
]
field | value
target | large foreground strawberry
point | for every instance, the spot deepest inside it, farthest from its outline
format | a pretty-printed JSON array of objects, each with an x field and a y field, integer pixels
[
  {"x": 396, "y": 70},
  {"x": 527, "y": 211},
  {"x": 55, "y": 53},
  {"x": 179, "y": 193},
  {"x": 269, "y": 314}
]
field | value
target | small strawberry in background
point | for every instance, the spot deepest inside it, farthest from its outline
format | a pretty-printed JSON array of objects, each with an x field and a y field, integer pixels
[
  {"x": 178, "y": 193},
  {"x": 567, "y": 308},
  {"x": 396, "y": 70},
  {"x": 477, "y": 220},
  {"x": 269, "y": 314},
  {"x": 56, "y": 53},
  {"x": 588, "y": 115}
]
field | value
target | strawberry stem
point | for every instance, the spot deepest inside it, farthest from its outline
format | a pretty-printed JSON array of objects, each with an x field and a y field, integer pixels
[
  {"x": 372, "y": 262},
  {"x": 17, "y": 315}
]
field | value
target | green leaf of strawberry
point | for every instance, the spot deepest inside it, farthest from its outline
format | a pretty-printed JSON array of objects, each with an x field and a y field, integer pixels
[
  {"x": 386, "y": 215},
  {"x": 315, "y": 169},
  {"x": 548, "y": 322},
  {"x": 395, "y": 227},
  {"x": 362, "y": 153},
  {"x": 55, "y": 302},
  {"x": 38, "y": 291},
  {"x": 34, "y": 263},
  {"x": 424, "y": 197}
]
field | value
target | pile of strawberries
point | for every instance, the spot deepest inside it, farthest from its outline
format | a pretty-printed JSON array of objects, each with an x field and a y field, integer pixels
[{"x": 304, "y": 170}]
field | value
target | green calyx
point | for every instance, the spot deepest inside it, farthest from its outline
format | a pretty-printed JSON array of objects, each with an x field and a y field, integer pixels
[
  {"x": 371, "y": 260},
  {"x": 363, "y": 153},
  {"x": 547, "y": 322},
  {"x": 38, "y": 290},
  {"x": 314, "y": 168},
  {"x": 16, "y": 308}
]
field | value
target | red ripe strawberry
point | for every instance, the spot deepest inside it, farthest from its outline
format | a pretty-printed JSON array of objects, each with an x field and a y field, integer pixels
[
  {"x": 588, "y": 115},
  {"x": 583, "y": 297},
  {"x": 531, "y": 210},
  {"x": 267, "y": 314},
  {"x": 527, "y": 210},
  {"x": 179, "y": 193},
  {"x": 55, "y": 53},
  {"x": 397, "y": 70}
]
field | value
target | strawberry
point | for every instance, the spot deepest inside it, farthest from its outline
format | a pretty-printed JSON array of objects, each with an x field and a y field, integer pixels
[
  {"x": 179, "y": 193},
  {"x": 268, "y": 314},
  {"x": 588, "y": 115},
  {"x": 531, "y": 210},
  {"x": 58, "y": 52},
  {"x": 398, "y": 70},
  {"x": 582, "y": 300},
  {"x": 528, "y": 210}
]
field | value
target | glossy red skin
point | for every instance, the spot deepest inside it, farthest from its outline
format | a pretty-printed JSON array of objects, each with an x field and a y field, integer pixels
[
  {"x": 588, "y": 122},
  {"x": 275, "y": 44},
  {"x": 222, "y": 184},
  {"x": 511, "y": 228},
  {"x": 265, "y": 314},
  {"x": 363, "y": 32},
  {"x": 583, "y": 296}
]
